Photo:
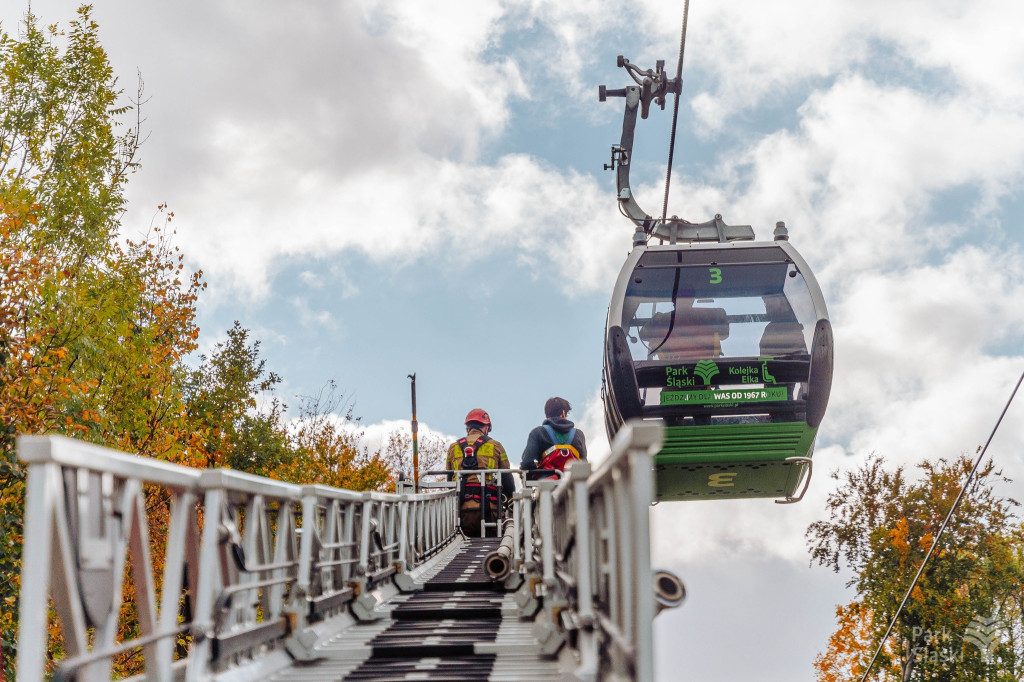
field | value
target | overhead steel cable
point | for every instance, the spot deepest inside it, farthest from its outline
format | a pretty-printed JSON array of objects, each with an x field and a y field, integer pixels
[
  {"x": 675, "y": 108},
  {"x": 938, "y": 535}
]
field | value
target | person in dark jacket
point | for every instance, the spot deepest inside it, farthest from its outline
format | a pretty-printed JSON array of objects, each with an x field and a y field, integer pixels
[{"x": 556, "y": 411}]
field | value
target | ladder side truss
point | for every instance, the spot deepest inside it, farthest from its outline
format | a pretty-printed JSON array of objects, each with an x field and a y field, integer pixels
[{"x": 256, "y": 572}]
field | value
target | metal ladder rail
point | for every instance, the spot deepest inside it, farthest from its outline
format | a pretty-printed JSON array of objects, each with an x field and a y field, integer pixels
[
  {"x": 591, "y": 573},
  {"x": 458, "y": 622},
  {"x": 278, "y": 568},
  {"x": 274, "y": 566}
]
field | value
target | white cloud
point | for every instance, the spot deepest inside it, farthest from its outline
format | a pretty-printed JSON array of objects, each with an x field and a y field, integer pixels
[
  {"x": 842, "y": 201},
  {"x": 379, "y": 154},
  {"x": 921, "y": 359},
  {"x": 591, "y": 420},
  {"x": 757, "y": 51},
  {"x": 374, "y": 436},
  {"x": 312, "y": 318},
  {"x": 977, "y": 42},
  {"x": 311, "y": 279},
  {"x": 565, "y": 38},
  {"x": 552, "y": 218}
]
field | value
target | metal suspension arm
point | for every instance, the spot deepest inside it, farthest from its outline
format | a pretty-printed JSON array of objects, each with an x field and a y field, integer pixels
[
  {"x": 654, "y": 85},
  {"x": 621, "y": 156}
]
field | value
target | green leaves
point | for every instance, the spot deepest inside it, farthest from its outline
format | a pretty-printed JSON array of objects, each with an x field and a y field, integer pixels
[{"x": 64, "y": 143}]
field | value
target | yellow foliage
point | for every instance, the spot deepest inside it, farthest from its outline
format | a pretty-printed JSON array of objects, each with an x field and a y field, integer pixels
[{"x": 850, "y": 647}]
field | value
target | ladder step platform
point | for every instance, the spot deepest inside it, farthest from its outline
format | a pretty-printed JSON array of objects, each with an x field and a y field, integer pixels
[
  {"x": 460, "y": 626},
  {"x": 466, "y": 571},
  {"x": 405, "y": 638},
  {"x": 426, "y": 668},
  {"x": 457, "y": 604}
]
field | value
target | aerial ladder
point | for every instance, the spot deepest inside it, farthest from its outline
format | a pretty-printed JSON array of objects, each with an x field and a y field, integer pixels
[{"x": 266, "y": 580}]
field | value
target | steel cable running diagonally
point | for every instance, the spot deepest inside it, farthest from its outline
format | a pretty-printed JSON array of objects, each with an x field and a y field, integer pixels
[
  {"x": 938, "y": 535},
  {"x": 675, "y": 109}
]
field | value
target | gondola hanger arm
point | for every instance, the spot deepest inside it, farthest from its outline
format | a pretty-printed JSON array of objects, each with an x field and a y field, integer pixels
[{"x": 653, "y": 85}]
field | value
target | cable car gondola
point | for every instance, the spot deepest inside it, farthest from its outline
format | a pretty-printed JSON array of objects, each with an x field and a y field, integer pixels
[{"x": 725, "y": 338}]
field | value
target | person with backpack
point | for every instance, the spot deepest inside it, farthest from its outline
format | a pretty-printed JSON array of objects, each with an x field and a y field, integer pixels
[
  {"x": 478, "y": 451},
  {"x": 554, "y": 444}
]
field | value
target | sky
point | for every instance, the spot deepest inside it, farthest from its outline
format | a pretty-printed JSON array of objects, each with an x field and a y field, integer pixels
[{"x": 381, "y": 187}]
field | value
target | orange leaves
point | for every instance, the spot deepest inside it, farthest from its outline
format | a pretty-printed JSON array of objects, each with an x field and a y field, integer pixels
[
  {"x": 854, "y": 625},
  {"x": 899, "y": 541},
  {"x": 849, "y": 648}
]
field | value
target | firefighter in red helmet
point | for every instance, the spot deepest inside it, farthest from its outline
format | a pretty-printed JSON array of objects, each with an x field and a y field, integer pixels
[
  {"x": 478, "y": 451},
  {"x": 489, "y": 453}
]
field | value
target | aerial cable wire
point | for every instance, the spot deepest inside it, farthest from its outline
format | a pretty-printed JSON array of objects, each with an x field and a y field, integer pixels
[
  {"x": 938, "y": 535},
  {"x": 675, "y": 108}
]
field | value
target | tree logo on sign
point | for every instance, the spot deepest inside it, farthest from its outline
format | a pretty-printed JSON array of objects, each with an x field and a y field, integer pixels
[{"x": 706, "y": 369}]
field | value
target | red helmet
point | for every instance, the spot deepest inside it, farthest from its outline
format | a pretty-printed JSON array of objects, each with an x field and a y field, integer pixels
[{"x": 478, "y": 415}]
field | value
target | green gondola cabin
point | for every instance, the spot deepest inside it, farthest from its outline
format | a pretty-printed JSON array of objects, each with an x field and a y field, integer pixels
[{"x": 731, "y": 345}]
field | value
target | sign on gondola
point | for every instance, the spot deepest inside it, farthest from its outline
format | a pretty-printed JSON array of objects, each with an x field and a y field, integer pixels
[{"x": 724, "y": 397}]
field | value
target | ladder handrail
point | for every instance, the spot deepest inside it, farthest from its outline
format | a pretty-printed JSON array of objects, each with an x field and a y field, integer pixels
[
  {"x": 251, "y": 574},
  {"x": 269, "y": 565},
  {"x": 594, "y": 560}
]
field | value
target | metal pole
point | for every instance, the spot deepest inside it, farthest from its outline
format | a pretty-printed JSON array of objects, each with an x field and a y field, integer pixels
[{"x": 415, "y": 440}]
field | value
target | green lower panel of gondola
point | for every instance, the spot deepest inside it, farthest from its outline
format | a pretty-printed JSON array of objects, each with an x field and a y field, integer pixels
[{"x": 732, "y": 461}]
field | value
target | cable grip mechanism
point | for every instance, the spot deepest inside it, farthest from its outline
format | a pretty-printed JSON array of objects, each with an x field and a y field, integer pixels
[{"x": 655, "y": 85}]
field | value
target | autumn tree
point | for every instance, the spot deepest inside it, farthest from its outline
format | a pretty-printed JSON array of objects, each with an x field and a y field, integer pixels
[
  {"x": 67, "y": 143},
  {"x": 94, "y": 329},
  {"x": 64, "y": 159},
  {"x": 881, "y": 524},
  {"x": 97, "y": 331},
  {"x": 327, "y": 444},
  {"x": 25, "y": 367},
  {"x": 222, "y": 396}
]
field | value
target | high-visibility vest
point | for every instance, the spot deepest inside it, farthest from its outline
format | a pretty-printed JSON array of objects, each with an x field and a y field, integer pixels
[{"x": 482, "y": 449}]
